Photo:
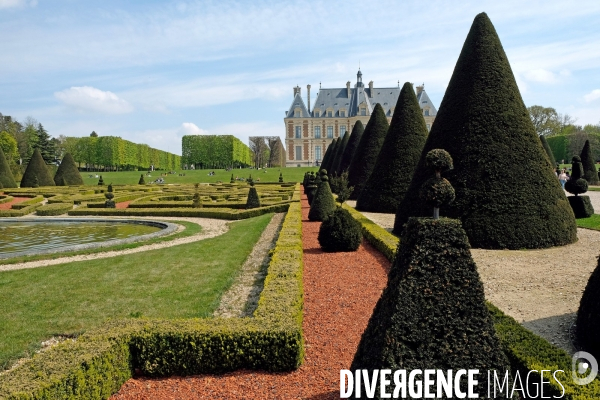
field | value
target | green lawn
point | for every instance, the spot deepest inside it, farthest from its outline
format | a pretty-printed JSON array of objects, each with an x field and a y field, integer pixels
[
  {"x": 177, "y": 282},
  {"x": 592, "y": 222},
  {"x": 199, "y": 176}
]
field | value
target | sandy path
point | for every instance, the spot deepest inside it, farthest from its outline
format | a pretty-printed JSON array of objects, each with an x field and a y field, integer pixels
[
  {"x": 210, "y": 228},
  {"x": 541, "y": 289}
]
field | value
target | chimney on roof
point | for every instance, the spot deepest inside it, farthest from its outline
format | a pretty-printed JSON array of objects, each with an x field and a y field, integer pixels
[
  {"x": 348, "y": 88},
  {"x": 308, "y": 97},
  {"x": 420, "y": 89},
  {"x": 371, "y": 88},
  {"x": 296, "y": 90}
]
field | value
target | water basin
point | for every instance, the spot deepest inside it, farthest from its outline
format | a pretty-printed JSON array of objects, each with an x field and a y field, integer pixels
[{"x": 20, "y": 237}]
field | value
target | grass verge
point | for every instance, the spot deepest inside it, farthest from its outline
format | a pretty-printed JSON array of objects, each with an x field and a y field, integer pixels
[{"x": 592, "y": 222}]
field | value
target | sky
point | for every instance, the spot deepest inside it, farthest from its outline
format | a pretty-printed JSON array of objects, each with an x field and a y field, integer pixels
[{"x": 153, "y": 71}]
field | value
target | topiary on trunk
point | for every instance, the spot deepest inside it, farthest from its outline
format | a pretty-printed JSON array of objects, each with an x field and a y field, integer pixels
[
  {"x": 232, "y": 180},
  {"x": 109, "y": 203},
  {"x": 432, "y": 314},
  {"x": 368, "y": 150},
  {"x": 196, "y": 200},
  {"x": 311, "y": 188},
  {"x": 484, "y": 125},
  {"x": 280, "y": 178},
  {"x": 548, "y": 150},
  {"x": 437, "y": 191},
  {"x": 68, "y": 172},
  {"x": 588, "y": 317},
  {"x": 350, "y": 150},
  {"x": 589, "y": 166},
  {"x": 398, "y": 157},
  {"x": 323, "y": 203},
  {"x": 581, "y": 205},
  {"x": 6, "y": 177},
  {"x": 340, "y": 232},
  {"x": 142, "y": 181},
  {"x": 100, "y": 181},
  {"x": 37, "y": 169}
]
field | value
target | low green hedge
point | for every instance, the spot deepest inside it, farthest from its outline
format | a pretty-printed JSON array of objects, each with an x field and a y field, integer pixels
[
  {"x": 27, "y": 203},
  {"x": 101, "y": 360},
  {"x": 379, "y": 238},
  {"x": 218, "y": 213},
  {"x": 48, "y": 210},
  {"x": 525, "y": 350},
  {"x": 20, "y": 212},
  {"x": 5, "y": 199}
]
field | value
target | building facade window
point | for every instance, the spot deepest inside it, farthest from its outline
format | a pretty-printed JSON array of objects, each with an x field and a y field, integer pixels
[
  {"x": 427, "y": 112},
  {"x": 342, "y": 113},
  {"x": 363, "y": 111},
  {"x": 329, "y": 114},
  {"x": 298, "y": 132},
  {"x": 296, "y": 114},
  {"x": 298, "y": 152},
  {"x": 317, "y": 132},
  {"x": 342, "y": 130},
  {"x": 329, "y": 132},
  {"x": 318, "y": 153}
]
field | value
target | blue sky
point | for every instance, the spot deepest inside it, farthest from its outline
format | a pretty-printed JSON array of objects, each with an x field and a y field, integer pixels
[{"x": 152, "y": 71}]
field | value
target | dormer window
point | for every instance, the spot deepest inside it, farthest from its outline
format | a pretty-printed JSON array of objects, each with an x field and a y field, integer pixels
[
  {"x": 316, "y": 112},
  {"x": 296, "y": 114},
  {"x": 427, "y": 112},
  {"x": 363, "y": 111},
  {"x": 342, "y": 113}
]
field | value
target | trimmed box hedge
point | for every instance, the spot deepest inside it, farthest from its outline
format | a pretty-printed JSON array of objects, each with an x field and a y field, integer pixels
[
  {"x": 5, "y": 199},
  {"x": 96, "y": 364},
  {"x": 48, "y": 210},
  {"x": 525, "y": 350},
  {"x": 21, "y": 212}
]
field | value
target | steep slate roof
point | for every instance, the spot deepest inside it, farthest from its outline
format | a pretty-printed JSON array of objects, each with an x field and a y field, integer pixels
[
  {"x": 298, "y": 102},
  {"x": 425, "y": 100}
]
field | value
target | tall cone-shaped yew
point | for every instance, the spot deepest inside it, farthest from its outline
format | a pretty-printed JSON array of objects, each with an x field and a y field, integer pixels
[
  {"x": 327, "y": 156},
  {"x": 398, "y": 158},
  {"x": 335, "y": 167},
  {"x": 37, "y": 173},
  {"x": 68, "y": 174},
  {"x": 334, "y": 148},
  {"x": 350, "y": 150},
  {"x": 548, "y": 150},
  {"x": 484, "y": 125},
  {"x": 590, "y": 174},
  {"x": 6, "y": 177},
  {"x": 368, "y": 150}
]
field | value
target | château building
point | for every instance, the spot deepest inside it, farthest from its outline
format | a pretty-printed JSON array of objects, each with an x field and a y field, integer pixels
[{"x": 308, "y": 132}]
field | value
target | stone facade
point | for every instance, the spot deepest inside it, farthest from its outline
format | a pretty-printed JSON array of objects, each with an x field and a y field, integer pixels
[{"x": 308, "y": 132}]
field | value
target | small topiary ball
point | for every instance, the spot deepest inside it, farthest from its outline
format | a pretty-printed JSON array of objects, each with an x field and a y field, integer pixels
[
  {"x": 437, "y": 192},
  {"x": 340, "y": 232},
  {"x": 439, "y": 160}
]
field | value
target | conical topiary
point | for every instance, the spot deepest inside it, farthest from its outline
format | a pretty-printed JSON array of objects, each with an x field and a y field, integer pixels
[
  {"x": 232, "y": 180},
  {"x": 368, "y": 150},
  {"x": 69, "y": 171},
  {"x": 311, "y": 188},
  {"x": 326, "y": 156},
  {"x": 432, "y": 314},
  {"x": 340, "y": 232},
  {"x": 100, "y": 181},
  {"x": 37, "y": 169},
  {"x": 588, "y": 316},
  {"x": 142, "y": 181},
  {"x": 581, "y": 205},
  {"x": 337, "y": 162},
  {"x": 484, "y": 125},
  {"x": 350, "y": 150},
  {"x": 253, "y": 200},
  {"x": 323, "y": 203},
  {"x": 589, "y": 166},
  {"x": 398, "y": 157},
  {"x": 280, "y": 178},
  {"x": 6, "y": 177},
  {"x": 334, "y": 148},
  {"x": 548, "y": 150}
]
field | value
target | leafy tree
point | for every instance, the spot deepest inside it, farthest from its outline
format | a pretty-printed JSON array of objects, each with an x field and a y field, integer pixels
[
  {"x": 590, "y": 174},
  {"x": 368, "y": 150},
  {"x": 484, "y": 125},
  {"x": 350, "y": 149},
  {"x": 8, "y": 144},
  {"x": 398, "y": 157},
  {"x": 93, "y": 134},
  {"x": 45, "y": 144}
]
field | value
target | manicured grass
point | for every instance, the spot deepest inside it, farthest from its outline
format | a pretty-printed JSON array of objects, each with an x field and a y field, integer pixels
[
  {"x": 199, "y": 176},
  {"x": 177, "y": 282},
  {"x": 190, "y": 229},
  {"x": 592, "y": 222}
]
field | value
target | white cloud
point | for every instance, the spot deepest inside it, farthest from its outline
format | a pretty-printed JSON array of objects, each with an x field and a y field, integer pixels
[
  {"x": 540, "y": 75},
  {"x": 87, "y": 98},
  {"x": 11, "y": 3},
  {"x": 593, "y": 95},
  {"x": 189, "y": 128}
]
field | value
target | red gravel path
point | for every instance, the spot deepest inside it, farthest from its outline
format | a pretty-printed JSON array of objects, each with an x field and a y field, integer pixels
[
  {"x": 15, "y": 200},
  {"x": 123, "y": 204},
  {"x": 341, "y": 290}
]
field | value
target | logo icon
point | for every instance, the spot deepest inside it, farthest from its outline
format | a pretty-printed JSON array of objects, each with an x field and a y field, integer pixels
[{"x": 584, "y": 362}]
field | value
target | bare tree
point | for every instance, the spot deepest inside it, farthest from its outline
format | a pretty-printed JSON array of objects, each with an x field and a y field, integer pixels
[
  {"x": 277, "y": 155},
  {"x": 259, "y": 148}
]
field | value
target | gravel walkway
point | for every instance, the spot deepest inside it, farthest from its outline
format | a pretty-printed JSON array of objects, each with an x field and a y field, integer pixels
[
  {"x": 242, "y": 297},
  {"x": 541, "y": 289},
  {"x": 210, "y": 228}
]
